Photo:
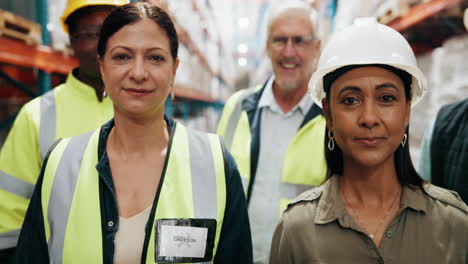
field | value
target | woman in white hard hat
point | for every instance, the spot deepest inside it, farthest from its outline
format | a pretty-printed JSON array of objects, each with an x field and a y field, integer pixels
[{"x": 373, "y": 208}]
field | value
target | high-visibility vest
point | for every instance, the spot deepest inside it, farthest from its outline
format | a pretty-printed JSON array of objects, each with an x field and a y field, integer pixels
[
  {"x": 194, "y": 186},
  {"x": 304, "y": 165},
  {"x": 70, "y": 109}
]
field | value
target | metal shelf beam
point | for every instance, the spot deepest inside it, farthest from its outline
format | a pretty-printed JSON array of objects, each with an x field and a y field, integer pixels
[
  {"x": 40, "y": 57},
  {"x": 420, "y": 12}
]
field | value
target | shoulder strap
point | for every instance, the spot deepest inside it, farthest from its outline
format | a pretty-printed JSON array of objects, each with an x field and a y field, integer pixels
[
  {"x": 235, "y": 116},
  {"x": 314, "y": 111},
  {"x": 307, "y": 196},
  {"x": 446, "y": 196}
]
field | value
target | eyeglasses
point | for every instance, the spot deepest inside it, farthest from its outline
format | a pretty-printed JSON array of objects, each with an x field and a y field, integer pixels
[
  {"x": 85, "y": 36},
  {"x": 297, "y": 41}
]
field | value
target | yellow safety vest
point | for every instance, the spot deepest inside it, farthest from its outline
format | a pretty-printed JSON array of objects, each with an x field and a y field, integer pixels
[
  {"x": 304, "y": 165},
  {"x": 70, "y": 109},
  {"x": 193, "y": 187}
]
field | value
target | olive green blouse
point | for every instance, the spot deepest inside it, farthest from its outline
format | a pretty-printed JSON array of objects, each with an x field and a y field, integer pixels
[{"x": 430, "y": 227}]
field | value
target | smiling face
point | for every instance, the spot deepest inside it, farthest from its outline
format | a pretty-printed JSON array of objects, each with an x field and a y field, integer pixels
[
  {"x": 368, "y": 113},
  {"x": 138, "y": 70},
  {"x": 293, "y": 49}
]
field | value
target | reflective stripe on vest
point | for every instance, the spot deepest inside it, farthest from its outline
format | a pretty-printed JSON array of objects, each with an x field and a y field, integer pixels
[
  {"x": 12, "y": 185},
  {"x": 75, "y": 188},
  {"x": 203, "y": 176},
  {"x": 61, "y": 196},
  {"x": 9, "y": 239},
  {"x": 48, "y": 120},
  {"x": 15, "y": 185},
  {"x": 235, "y": 116}
]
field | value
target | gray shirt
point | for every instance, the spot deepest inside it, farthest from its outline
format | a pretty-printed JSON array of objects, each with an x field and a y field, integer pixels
[{"x": 277, "y": 129}]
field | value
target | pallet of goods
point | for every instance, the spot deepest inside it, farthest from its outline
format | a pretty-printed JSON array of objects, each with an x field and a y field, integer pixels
[
  {"x": 390, "y": 10},
  {"x": 19, "y": 28}
]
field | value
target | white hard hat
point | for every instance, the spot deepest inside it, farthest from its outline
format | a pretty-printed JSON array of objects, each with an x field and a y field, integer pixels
[
  {"x": 367, "y": 42},
  {"x": 465, "y": 19}
]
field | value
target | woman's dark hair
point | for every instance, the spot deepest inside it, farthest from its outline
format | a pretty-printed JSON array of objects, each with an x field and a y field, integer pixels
[
  {"x": 131, "y": 13},
  {"x": 406, "y": 172}
]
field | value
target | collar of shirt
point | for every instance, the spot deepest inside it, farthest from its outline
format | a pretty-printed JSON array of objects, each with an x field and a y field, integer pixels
[
  {"x": 331, "y": 206},
  {"x": 268, "y": 100},
  {"x": 81, "y": 89},
  {"x": 103, "y": 166}
]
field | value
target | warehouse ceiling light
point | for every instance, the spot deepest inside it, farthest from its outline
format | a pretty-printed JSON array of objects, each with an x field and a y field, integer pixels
[
  {"x": 242, "y": 62},
  {"x": 243, "y": 48},
  {"x": 243, "y": 22}
]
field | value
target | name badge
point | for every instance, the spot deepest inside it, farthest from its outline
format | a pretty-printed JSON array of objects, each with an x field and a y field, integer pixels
[{"x": 185, "y": 240}]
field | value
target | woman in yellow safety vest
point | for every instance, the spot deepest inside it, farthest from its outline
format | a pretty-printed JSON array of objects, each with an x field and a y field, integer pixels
[{"x": 142, "y": 188}]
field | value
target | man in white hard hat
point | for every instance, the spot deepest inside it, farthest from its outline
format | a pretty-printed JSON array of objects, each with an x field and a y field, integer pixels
[
  {"x": 274, "y": 130},
  {"x": 76, "y": 106},
  {"x": 445, "y": 147}
]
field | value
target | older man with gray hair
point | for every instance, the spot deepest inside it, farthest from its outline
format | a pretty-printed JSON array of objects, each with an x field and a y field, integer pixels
[{"x": 274, "y": 131}]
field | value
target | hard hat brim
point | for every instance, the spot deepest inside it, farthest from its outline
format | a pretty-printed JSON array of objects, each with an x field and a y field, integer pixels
[{"x": 417, "y": 87}]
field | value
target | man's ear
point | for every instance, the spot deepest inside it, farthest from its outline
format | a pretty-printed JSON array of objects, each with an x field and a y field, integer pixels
[
  {"x": 268, "y": 48},
  {"x": 318, "y": 46}
]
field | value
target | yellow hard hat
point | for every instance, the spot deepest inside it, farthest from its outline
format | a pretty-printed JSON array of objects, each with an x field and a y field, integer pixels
[{"x": 73, "y": 5}]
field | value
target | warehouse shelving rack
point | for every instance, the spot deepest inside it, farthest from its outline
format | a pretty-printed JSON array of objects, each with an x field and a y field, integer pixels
[{"x": 428, "y": 24}]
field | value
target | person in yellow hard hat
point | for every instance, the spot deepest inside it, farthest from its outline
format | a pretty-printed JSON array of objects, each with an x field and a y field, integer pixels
[
  {"x": 74, "y": 107},
  {"x": 374, "y": 207}
]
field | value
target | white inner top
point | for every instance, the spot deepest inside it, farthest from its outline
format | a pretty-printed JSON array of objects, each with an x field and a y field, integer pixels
[{"x": 130, "y": 237}]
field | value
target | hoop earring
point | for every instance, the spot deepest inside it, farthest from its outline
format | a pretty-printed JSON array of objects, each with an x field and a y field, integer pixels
[
  {"x": 403, "y": 142},
  {"x": 104, "y": 93},
  {"x": 331, "y": 141}
]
